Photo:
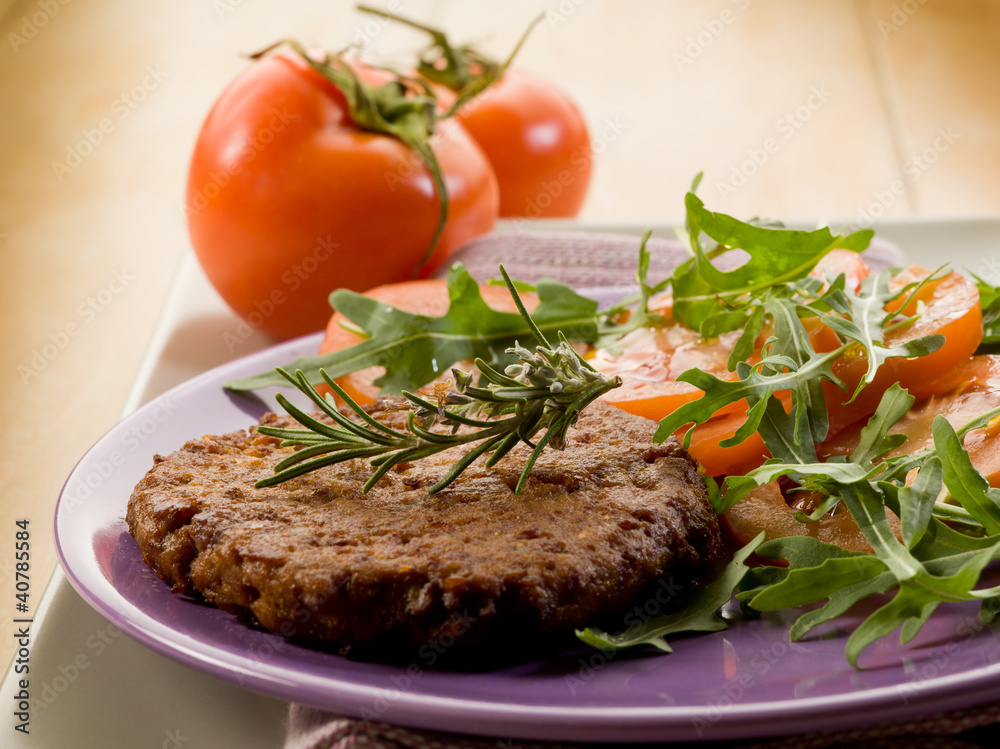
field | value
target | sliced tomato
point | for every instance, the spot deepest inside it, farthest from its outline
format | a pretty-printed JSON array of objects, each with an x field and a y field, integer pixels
[
  {"x": 978, "y": 391},
  {"x": 717, "y": 460},
  {"x": 851, "y": 264},
  {"x": 766, "y": 509},
  {"x": 425, "y": 297},
  {"x": 951, "y": 308},
  {"x": 651, "y": 360}
]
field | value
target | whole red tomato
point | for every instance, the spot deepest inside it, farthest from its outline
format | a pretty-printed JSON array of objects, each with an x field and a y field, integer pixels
[
  {"x": 288, "y": 199},
  {"x": 533, "y": 135},
  {"x": 537, "y": 142}
]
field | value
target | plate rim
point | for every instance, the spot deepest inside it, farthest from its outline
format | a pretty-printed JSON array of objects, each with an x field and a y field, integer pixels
[{"x": 483, "y": 717}]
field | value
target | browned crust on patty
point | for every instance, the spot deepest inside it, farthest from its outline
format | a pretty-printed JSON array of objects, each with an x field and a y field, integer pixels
[{"x": 398, "y": 568}]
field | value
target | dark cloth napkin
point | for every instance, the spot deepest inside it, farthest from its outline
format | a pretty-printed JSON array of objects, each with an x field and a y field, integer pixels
[{"x": 587, "y": 260}]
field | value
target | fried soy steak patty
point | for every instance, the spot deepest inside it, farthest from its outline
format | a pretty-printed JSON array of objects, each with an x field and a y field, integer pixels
[{"x": 395, "y": 569}]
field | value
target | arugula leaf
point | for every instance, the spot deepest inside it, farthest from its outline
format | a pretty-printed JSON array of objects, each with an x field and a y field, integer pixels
[
  {"x": 844, "y": 578},
  {"x": 875, "y": 440},
  {"x": 776, "y": 256},
  {"x": 798, "y": 460},
  {"x": 964, "y": 482},
  {"x": 803, "y": 552},
  {"x": 790, "y": 340},
  {"x": 933, "y": 563},
  {"x": 989, "y": 301},
  {"x": 840, "y": 602},
  {"x": 697, "y": 615},
  {"x": 909, "y": 604},
  {"x": 862, "y": 318},
  {"x": 790, "y": 363},
  {"x": 757, "y": 383},
  {"x": 416, "y": 349},
  {"x": 808, "y": 584}
]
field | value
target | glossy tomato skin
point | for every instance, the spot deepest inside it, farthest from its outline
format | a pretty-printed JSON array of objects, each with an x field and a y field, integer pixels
[
  {"x": 537, "y": 142},
  {"x": 287, "y": 200}
]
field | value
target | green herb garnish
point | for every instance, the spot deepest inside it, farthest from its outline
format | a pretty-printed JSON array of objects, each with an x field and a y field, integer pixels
[
  {"x": 989, "y": 299},
  {"x": 933, "y": 562},
  {"x": 789, "y": 363},
  {"x": 545, "y": 392},
  {"x": 416, "y": 349},
  {"x": 705, "y": 295}
]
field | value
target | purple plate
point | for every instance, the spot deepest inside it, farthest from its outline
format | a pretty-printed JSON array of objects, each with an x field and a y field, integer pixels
[{"x": 745, "y": 682}]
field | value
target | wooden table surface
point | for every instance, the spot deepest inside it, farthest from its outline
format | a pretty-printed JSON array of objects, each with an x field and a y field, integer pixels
[{"x": 827, "y": 110}]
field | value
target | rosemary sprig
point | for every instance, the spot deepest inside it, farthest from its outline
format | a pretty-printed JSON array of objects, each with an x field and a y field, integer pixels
[{"x": 546, "y": 392}]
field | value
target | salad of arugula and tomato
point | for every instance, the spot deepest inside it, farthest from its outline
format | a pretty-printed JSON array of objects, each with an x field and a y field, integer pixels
[{"x": 846, "y": 421}]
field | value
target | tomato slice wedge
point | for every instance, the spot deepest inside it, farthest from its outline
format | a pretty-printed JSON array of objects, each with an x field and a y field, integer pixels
[
  {"x": 717, "y": 460},
  {"x": 424, "y": 297}
]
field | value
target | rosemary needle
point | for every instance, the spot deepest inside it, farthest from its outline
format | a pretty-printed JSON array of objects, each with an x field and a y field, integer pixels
[{"x": 546, "y": 392}]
